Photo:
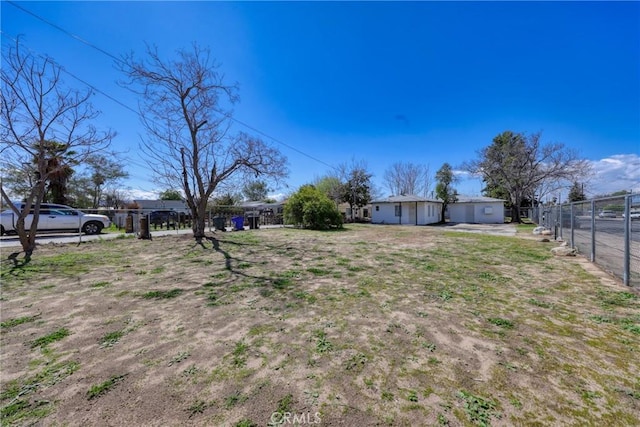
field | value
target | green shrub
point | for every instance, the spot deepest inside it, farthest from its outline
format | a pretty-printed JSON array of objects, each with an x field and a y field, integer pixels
[{"x": 311, "y": 208}]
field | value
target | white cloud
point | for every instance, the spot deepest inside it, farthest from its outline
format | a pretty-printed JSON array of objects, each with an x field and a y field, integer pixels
[
  {"x": 463, "y": 174},
  {"x": 141, "y": 194},
  {"x": 277, "y": 196},
  {"x": 614, "y": 173}
]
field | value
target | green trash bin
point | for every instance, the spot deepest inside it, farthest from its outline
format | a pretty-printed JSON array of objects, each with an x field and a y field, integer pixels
[{"x": 219, "y": 223}]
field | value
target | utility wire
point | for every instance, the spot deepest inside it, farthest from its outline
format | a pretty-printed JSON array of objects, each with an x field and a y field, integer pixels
[
  {"x": 63, "y": 69},
  {"x": 119, "y": 60},
  {"x": 240, "y": 122},
  {"x": 92, "y": 87},
  {"x": 57, "y": 27}
]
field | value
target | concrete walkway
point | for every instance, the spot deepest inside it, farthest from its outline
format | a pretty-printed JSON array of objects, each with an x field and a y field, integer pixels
[{"x": 493, "y": 229}]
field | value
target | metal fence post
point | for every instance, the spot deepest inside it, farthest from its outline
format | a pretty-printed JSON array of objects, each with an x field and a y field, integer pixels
[
  {"x": 572, "y": 218},
  {"x": 593, "y": 230},
  {"x": 79, "y": 228},
  {"x": 560, "y": 221},
  {"x": 626, "y": 277},
  {"x": 540, "y": 215}
]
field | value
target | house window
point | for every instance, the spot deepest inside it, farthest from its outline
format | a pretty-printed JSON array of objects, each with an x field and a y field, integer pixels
[
  {"x": 399, "y": 210},
  {"x": 365, "y": 213},
  {"x": 377, "y": 208}
]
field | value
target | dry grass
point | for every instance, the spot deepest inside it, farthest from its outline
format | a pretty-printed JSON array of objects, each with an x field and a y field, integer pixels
[{"x": 370, "y": 325}]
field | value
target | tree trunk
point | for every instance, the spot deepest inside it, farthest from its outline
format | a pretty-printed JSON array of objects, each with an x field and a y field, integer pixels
[
  {"x": 27, "y": 239},
  {"x": 199, "y": 216},
  {"x": 515, "y": 210}
]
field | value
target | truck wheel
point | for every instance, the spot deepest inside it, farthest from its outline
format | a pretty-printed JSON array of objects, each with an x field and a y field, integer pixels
[{"x": 92, "y": 228}]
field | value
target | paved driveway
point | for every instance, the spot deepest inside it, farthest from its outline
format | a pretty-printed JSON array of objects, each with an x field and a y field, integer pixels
[{"x": 494, "y": 229}]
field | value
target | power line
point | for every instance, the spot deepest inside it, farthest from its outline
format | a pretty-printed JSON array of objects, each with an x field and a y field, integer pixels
[
  {"x": 119, "y": 60},
  {"x": 48, "y": 58},
  {"x": 272, "y": 138},
  {"x": 57, "y": 27}
]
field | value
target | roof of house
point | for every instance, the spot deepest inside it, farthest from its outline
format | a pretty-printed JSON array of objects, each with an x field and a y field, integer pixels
[
  {"x": 260, "y": 205},
  {"x": 161, "y": 204},
  {"x": 477, "y": 199},
  {"x": 406, "y": 198}
]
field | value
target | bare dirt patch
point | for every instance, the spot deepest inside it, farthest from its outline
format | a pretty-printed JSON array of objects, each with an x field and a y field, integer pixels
[{"x": 367, "y": 326}]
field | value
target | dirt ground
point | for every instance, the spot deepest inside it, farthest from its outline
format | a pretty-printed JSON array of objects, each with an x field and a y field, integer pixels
[{"x": 373, "y": 325}]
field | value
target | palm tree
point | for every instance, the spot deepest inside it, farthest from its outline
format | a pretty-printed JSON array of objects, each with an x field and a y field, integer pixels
[{"x": 56, "y": 170}]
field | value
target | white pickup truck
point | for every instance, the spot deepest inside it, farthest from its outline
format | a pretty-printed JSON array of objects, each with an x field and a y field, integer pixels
[{"x": 54, "y": 217}]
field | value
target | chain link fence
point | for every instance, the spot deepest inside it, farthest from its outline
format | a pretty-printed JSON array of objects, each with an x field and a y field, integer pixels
[
  {"x": 54, "y": 218},
  {"x": 606, "y": 230},
  {"x": 221, "y": 218}
]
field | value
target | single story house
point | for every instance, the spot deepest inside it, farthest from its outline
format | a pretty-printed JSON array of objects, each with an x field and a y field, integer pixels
[
  {"x": 269, "y": 213},
  {"x": 163, "y": 205},
  {"x": 275, "y": 207},
  {"x": 406, "y": 209},
  {"x": 362, "y": 214},
  {"x": 476, "y": 210},
  {"x": 144, "y": 207}
]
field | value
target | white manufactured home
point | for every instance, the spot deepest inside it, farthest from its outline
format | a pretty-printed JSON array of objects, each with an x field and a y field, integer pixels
[
  {"x": 476, "y": 210},
  {"x": 407, "y": 210}
]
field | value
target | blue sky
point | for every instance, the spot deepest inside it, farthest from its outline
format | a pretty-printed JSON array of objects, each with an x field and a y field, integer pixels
[{"x": 383, "y": 82}]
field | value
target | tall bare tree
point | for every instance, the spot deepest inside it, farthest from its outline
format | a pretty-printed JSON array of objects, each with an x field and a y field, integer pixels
[
  {"x": 408, "y": 178},
  {"x": 189, "y": 142},
  {"x": 522, "y": 165},
  {"x": 42, "y": 120}
]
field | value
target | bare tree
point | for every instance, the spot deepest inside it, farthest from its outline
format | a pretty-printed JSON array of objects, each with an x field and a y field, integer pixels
[
  {"x": 408, "y": 178},
  {"x": 522, "y": 166},
  {"x": 46, "y": 127},
  {"x": 115, "y": 198},
  {"x": 188, "y": 142}
]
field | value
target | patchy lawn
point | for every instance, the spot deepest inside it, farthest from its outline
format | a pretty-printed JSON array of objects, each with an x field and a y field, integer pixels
[{"x": 381, "y": 325}]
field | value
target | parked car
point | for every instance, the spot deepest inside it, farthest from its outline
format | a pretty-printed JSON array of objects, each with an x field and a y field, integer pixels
[
  {"x": 633, "y": 215},
  {"x": 607, "y": 214},
  {"x": 53, "y": 217}
]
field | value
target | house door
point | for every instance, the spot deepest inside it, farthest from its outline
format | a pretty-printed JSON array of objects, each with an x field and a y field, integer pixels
[
  {"x": 413, "y": 212},
  {"x": 470, "y": 215}
]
